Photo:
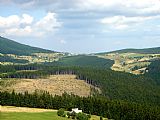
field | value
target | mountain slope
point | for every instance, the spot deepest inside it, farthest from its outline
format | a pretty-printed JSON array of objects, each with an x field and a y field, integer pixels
[
  {"x": 155, "y": 50},
  {"x": 154, "y": 71},
  {"x": 86, "y": 61},
  {"x": 114, "y": 85},
  {"x": 8, "y": 46}
]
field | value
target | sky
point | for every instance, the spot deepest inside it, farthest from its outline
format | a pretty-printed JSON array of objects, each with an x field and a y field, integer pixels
[{"x": 82, "y": 26}]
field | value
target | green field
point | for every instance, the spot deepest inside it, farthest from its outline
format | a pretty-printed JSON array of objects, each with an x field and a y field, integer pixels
[
  {"x": 36, "y": 116},
  {"x": 30, "y": 116}
]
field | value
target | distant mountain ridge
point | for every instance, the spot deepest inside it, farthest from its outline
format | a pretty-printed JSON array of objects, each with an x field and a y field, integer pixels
[
  {"x": 8, "y": 46},
  {"x": 155, "y": 50}
]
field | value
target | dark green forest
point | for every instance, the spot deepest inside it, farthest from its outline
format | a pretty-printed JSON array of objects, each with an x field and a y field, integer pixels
[
  {"x": 118, "y": 110},
  {"x": 11, "y": 47},
  {"x": 124, "y": 96},
  {"x": 155, "y": 50},
  {"x": 114, "y": 85},
  {"x": 86, "y": 61},
  {"x": 6, "y": 58},
  {"x": 154, "y": 71}
]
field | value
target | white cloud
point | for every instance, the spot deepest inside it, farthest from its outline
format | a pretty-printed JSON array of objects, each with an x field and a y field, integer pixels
[
  {"x": 135, "y": 6},
  {"x": 25, "y": 25},
  {"x": 11, "y": 21},
  {"x": 15, "y": 20},
  {"x": 123, "y": 22},
  {"x": 144, "y": 6},
  {"x": 27, "y": 19},
  {"x": 19, "y": 31},
  {"x": 48, "y": 22}
]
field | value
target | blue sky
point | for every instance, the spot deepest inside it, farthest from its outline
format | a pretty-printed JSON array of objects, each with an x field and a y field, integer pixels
[{"x": 82, "y": 26}]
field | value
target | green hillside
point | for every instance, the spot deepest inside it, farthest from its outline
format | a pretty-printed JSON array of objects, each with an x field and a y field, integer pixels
[
  {"x": 87, "y": 61},
  {"x": 155, "y": 50},
  {"x": 8, "y": 46},
  {"x": 114, "y": 85},
  {"x": 154, "y": 71}
]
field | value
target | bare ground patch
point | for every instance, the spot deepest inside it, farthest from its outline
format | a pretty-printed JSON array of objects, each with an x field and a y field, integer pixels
[
  {"x": 23, "y": 109},
  {"x": 55, "y": 84}
]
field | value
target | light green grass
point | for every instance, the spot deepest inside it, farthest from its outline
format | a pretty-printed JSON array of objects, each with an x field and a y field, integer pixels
[
  {"x": 35, "y": 116},
  {"x": 30, "y": 116}
]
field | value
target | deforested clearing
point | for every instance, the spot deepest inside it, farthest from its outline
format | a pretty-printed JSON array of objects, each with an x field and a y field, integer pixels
[{"x": 54, "y": 84}]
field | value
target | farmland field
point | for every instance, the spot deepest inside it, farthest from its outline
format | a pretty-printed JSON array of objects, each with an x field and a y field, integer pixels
[
  {"x": 14, "y": 113},
  {"x": 35, "y": 116},
  {"x": 30, "y": 116}
]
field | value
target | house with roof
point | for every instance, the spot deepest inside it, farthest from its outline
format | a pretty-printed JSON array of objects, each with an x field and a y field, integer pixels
[{"x": 76, "y": 110}]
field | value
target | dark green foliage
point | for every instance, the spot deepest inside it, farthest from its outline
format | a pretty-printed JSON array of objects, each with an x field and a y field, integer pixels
[
  {"x": 155, "y": 50},
  {"x": 89, "y": 115},
  {"x": 81, "y": 116},
  {"x": 118, "y": 110},
  {"x": 11, "y": 59},
  {"x": 25, "y": 74},
  {"x": 114, "y": 85},
  {"x": 154, "y": 71},
  {"x": 87, "y": 61},
  {"x": 68, "y": 114},
  {"x": 6, "y": 68},
  {"x": 11, "y": 47},
  {"x": 73, "y": 115},
  {"x": 60, "y": 112}
]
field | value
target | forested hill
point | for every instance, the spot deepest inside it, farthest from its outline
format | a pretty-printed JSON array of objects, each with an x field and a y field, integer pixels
[
  {"x": 154, "y": 71},
  {"x": 8, "y": 46},
  {"x": 86, "y": 61},
  {"x": 155, "y": 50}
]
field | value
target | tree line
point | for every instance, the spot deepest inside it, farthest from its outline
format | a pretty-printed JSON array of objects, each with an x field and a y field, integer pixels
[
  {"x": 114, "y": 85},
  {"x": 154, "y": 71},
  {"x": 113, "y": 109}
]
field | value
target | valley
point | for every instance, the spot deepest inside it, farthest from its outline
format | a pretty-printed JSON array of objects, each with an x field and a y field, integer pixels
[
  {"x": 12, "y": 52},
  {"x": 115, "y": 85},
  {"x": 10, "y": 59},
  {"x": 135, "y": 63}
]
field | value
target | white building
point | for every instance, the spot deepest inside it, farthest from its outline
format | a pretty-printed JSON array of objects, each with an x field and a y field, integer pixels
[{"x": 76, "y": 110}]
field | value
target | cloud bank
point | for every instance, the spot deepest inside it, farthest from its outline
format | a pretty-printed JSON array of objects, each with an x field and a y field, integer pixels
[
  {"x": 87, "y": 23},
  {"x": 123, "y": 6},
  {"x": 25, "y": 25},
  {"x": 123, "y": 22}
]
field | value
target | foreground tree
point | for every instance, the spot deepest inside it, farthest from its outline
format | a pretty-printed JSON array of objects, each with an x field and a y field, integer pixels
[
  {"x": 60, "y": 112},
  {"x": 81, "y": 116}
]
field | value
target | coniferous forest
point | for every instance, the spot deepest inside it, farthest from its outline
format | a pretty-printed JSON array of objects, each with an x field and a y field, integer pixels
[
  {"x": 124, "y": 96},
  {"x": 114, "y": 85},
  {"x": 115, "y": 109}
]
